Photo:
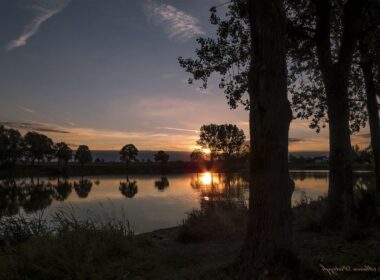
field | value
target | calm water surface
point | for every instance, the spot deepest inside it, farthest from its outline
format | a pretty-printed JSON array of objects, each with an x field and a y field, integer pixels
[{"x": 148, "y": 202}]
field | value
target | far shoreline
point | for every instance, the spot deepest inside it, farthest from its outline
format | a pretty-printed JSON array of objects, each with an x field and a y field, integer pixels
[{"x": 175, "y": 167}]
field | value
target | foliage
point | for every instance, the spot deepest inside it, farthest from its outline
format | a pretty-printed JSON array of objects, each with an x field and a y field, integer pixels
[
  {"x": 307, "y": 86},
  {"x": 128, "y": 153},
  {"x": 162, "y": 157},
  {"x": 11, "y": 145},
  {"x": 197, "y": 155},
  {"x": 38, "y": 146},
  {"x": 225, "y": 139},
  {"x": 83, "y": 154},
  {"x": 364, "y": 156},
  {"x": 63, "y": 152},
  {"x": 64, "y": 247},
  {"x": 228, "y": 56}
]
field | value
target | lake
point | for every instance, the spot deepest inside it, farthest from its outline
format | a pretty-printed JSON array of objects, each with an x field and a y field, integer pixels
[{"x": 149, "y": 202}]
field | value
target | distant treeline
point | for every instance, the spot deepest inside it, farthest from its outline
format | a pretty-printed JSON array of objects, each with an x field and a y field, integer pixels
[{"x": 35, "y": 148}]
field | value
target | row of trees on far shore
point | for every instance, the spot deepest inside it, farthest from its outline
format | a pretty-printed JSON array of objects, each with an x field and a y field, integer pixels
[
  {"x": 36, "y": 148},
  {"x": 129, "y": 154},
  {"x": 224, "y": 141}
]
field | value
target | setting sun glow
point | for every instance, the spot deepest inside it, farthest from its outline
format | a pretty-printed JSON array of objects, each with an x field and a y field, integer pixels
[
  {"x": 206, "y": 151},
  {"x": 206, "y": 178}
]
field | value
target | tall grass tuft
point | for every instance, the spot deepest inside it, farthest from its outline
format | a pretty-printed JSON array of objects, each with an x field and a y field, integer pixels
[{"x": 64, "y": 247}]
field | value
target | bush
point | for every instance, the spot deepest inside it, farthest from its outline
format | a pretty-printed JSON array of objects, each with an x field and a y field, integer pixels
[{"x": 212, "y": 223}]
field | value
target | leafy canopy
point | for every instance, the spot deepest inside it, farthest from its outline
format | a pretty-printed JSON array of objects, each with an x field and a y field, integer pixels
[
  {"x": 128, "y": 153},
  {"x": 228, "y": 56},
  {"x": 83, "y": 154},
  {"x": 162, "y": 157},
  {"x": 225, "y": 139}
]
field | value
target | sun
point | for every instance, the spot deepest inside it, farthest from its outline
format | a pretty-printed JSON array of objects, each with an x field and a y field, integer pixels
[{"x": 206, "y": 178}]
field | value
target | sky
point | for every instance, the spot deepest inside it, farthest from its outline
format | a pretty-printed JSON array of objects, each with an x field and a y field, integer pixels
[{"x": 105, "y": 73}]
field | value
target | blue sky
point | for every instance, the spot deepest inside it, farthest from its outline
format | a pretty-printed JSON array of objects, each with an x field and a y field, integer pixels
[{"x": 105, "y": 73}]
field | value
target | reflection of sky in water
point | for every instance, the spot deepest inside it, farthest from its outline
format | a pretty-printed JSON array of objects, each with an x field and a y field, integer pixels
[{"x": 148, "y": 202}]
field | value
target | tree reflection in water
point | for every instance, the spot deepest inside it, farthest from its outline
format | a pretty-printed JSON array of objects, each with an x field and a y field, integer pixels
[
  {"x": 37, "y": 195},
  {"x": 34, "y": 194},
  {"x": 128, "y": 188},
  {"x": 83, "y": 187},
  {"x": 215, "y": 190},
  {"x": 9, "y": 198},
  {"x": 62, "y": 190},
  {"x": 162, "y": 184},
  {"x": 220, "y": 191}
]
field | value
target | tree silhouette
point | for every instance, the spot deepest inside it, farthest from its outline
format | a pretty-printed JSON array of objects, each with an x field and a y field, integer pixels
[
  {"x": 197, "y": 155},
  {"x": 370, "y": 65},
  {"x": 321, "y": 37},
  {"x": 11, "y": 145},
  {"x": 208, "y": 139},
  {"x": 231, "y": 139},
  {"x": 38, "y": 146},
  {"x": 162, "y": 157},
  {"x": 328, "y": 49},
  {"x": 83, "y": 155},
  {"x": 224, "y": 139},
  {"x": 162, "y": 184},
  {"x": 257, "y": 67},
  {"x": 269, "y": 233},
  {"x": 128, "y": 153},
  {"x": 63, "y": 152}
]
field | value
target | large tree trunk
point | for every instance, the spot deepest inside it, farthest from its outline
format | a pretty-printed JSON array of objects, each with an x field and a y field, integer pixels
[
  {"x": 268, "y": 245},
  {"x": 373, "y": 112}
]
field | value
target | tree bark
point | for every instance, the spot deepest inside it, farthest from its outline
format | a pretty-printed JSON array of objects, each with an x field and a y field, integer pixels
[
  {"x": 268, "y": 244},
  {"x": 340, "y": 192},
  {"x": 373, "y": 111}
]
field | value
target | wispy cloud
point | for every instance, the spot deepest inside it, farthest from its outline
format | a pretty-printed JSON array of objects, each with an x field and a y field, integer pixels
[
  {"x": 100, "y": 139},
  {"x": 25, "y": 109},
  {"x": 44, "y": 9},
  {"x": 179, "y": 129},
  {"x": 35, "y": 126},
  {"x": 176, "y": 23}
]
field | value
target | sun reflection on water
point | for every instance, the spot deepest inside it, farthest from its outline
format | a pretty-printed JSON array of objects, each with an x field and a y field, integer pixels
[{"x": 206, "y": 178}]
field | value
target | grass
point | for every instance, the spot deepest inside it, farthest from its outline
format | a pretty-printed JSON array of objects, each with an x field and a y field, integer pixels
[
  {"x": 66, "y": 248},
  {"x": 205, "y": 246}
]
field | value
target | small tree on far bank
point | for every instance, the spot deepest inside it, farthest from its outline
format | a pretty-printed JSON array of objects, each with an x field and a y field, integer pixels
[
  {"x": 37, "y": 146},
  {"x": 11, "y": 145},
  {"x": 208, "y": 139},
  {"x": 162, "y": 157},
  {"x": 128, "y": 153},
  {"x": 83, "y": 155},
  {"x": 63, "y": 153},
  {"x": 231, "y": 139},
  {"x": 197, "y": 155},
  {"x": 225, "y": 139}
]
